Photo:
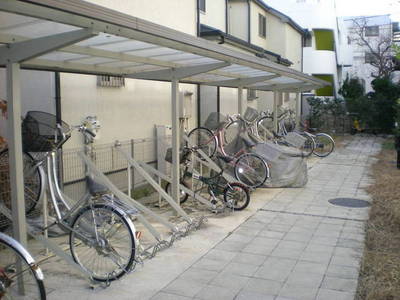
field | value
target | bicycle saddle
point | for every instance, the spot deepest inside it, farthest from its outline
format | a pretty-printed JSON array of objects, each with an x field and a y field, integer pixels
[{"x": 95, "y": 187}]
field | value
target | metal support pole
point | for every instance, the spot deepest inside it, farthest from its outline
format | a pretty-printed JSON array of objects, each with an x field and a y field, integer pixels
[
  {"x": 298, "y": 109},
  {"x": 275, "y": 111},
  {"x": 15, "y": 152},
  {"x": 241, "y": 103},
  {"x": 175, "y": 140}
]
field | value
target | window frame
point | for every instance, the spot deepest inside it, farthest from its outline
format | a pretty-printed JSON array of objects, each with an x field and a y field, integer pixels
[
  {"x": 262, "y": 25},
  {"x": 369, "y": 57},
  {"x": 369, "y": 32}
]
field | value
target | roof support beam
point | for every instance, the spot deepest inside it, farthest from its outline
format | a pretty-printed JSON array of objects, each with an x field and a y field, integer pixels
[
  {"x": 24, "y": 50},
  {"x": 282, "y": 86},
  {"x": 177, "y": 73},
  {"x": 243, "y": 81}
]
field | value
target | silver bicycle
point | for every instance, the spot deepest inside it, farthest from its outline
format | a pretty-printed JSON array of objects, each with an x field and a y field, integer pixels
[
  {"x": 102, "y": 236},
  {"x": 20, "y": 277}
]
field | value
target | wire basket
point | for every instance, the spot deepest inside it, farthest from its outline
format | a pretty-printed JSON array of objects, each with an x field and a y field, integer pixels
[
  {"x": 40, "y": 132},
  {"x": 183, "y": 155},
  {"x": 251, "y": 114}
]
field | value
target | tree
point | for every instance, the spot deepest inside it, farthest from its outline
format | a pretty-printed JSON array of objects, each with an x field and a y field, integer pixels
[{"x": 379, "y": 46}]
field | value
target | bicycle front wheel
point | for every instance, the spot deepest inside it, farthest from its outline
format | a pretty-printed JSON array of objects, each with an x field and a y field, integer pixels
[
  {"x": 265, "y": 126},
  {"x": 102, "y": 242},
  {"x": 204, "y": 139},
  {"x": 324, "y": 144},
  {"x": 251, "y": 170},
  {"x": 236, "y": 196},
  {"x": 32, "y": 184},
  {"x": 18, "y": 267}
]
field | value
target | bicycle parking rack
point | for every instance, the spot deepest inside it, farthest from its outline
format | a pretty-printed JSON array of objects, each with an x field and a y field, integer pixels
[
  {"x": 145, "y": 169},
  {"x": 130, "y": 202}
]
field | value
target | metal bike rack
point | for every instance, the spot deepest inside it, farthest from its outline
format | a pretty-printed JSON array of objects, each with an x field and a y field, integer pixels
[
  {"x": 125, "y": 199},
  {"x": 149, "y": 169}
]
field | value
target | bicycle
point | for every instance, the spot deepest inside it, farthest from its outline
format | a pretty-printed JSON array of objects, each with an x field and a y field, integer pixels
[
  {"x": 249, "y": 168},
  {"x": 20, "y": 276},
  {"x": 235, "y": 195},
  {"x": 301, "y": 140},
  {"x": 102, "y": 237}
]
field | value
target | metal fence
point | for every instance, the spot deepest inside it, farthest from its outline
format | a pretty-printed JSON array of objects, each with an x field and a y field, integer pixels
[{"x": 111, "y": 162}]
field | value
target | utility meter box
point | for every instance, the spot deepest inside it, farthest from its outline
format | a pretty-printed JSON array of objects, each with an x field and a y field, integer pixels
[{"x": 185, "y": 104}]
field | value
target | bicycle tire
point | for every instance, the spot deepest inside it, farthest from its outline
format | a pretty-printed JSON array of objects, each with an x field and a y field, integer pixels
[
  {"x": 184, "y": 195},
  {"x": 32, "y": 184},
  {"x": 231, "y": 131},
  {"x": 309, "y": 145},
  {"x": 9, "y": 250},
  {"x": 234, "y": 188},
  {"x": 116, "y": 216},
  {"x": 251, "y": 170},
  {"x": 319, "y": 140},
  {"x": 204, "y": 139},
  {"x": 263, "y": 123}
]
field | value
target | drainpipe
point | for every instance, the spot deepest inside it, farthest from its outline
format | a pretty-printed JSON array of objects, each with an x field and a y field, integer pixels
[
  {"x": 226, "y": 17},
  {"x": 57, "y": 97},
  {"x": 248, "y": 22},
  {"x": 198, "y": 17}
]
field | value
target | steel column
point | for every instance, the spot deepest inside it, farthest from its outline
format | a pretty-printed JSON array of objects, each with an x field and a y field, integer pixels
[
  {"x": 175, "y": 140},
  {"x": 241, "y": 103},
  {"x": 15, "y": 152},
  {"x": 298, "y": 109},
  {"x": 275, "y": 111}
]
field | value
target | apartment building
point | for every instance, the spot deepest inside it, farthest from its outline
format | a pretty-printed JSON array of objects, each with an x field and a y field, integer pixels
[
  {"x": 321, "y": 55},
  {"x": 377, "y": 31},
  {"x": 138, "y": 105}
]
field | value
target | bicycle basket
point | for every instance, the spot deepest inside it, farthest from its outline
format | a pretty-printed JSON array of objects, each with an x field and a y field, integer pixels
[
  {"x": 40, "y": 133},
  {"x": 215, "y": 120},
  {"x": 250, "y": 114}
]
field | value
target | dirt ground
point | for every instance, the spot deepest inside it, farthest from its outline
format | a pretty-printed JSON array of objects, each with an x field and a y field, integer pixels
[{"x": 380, "y": 270}]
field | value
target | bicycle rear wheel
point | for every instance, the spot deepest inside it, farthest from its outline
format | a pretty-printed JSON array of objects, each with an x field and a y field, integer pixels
[
  {"x": 324, "y": 144},
  {"x": 309, "y": 145},
  {"x": 18, "y": 266},
  {"x": 183, "y": 195},
  {"x": 102, "y": 241},
  {"x": 32, "y": 184},
  {"x": 204, "y": 139},
  {"x": 251, "y": 170},
  {"x": 236, "y": 196},
  {"x": 265, "y": 126}
]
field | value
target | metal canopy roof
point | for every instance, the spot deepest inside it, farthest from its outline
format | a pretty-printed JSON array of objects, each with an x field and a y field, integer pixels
[{"x": 118, "y": 44}]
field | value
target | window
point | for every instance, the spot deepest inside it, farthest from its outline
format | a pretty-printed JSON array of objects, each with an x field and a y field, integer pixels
[
  {"x": 348, "y": 40},
  {"x": 202, "y": 5},
  {"x": 308, "y": 41},
  {"x": 369, "y": 57},
  {"x": 372, "y": 31},
  {"x": 262, "y": 25},
  {"x": 110, "y": 81}
]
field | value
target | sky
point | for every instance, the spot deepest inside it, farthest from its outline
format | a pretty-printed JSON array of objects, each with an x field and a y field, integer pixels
[{"x": 369, "y": 7}]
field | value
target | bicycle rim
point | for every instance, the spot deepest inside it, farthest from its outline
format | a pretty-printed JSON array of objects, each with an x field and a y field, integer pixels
[
  {"x": 265, "y": 127},
  {"x": 236, "y": 196},
  {"x": 204, "y": 139},
  {"x": 12, "y": 273},
  {"x": 324, "y": 144},
  {"x": 251, "y": 170},
  {"x": 309, "y": 145},
  {"x": 102, "y": 242},
  {"x": 32, "y": 184}
]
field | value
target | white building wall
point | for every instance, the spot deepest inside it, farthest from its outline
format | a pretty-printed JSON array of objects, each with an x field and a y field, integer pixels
[
  {"x": 134, "y": 110},
  {"x": 238, "y": 20},
  {"x": 214, "y": 15},
  {"x": 293, "y": 47}
]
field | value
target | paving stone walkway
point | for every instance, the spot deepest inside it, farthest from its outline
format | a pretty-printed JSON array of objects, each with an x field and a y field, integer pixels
[{"x": 297, "y": 246}]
